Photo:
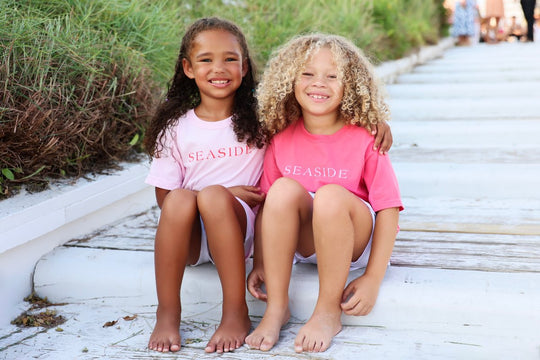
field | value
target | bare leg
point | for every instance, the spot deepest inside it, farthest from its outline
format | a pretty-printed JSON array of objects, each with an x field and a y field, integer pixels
[
  {"x": 177, "y": 243},
  {"x": 286, "y": 217},
  {"x": 341, "y": 228},
  {"x": 225, "y": 223}
]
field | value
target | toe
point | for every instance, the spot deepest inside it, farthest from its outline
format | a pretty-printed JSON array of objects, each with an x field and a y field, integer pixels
[
  {"x": 266, "y": 345},
  {"x": 299, "y": 345},
  {"x": 226, "y": 346},
  {"x": 253, "y": 342},
  {"x": 210, "y": 347}
]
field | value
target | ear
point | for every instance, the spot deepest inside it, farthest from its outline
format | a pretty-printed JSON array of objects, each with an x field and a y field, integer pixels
[{"x": 188, "y": 69}]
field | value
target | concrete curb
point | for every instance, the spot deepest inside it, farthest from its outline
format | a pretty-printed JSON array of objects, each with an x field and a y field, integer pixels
[
  {"x": 389, "y": 71},
  {"x": 34, "y": 224},
  {"x": 26, "y": 217}
]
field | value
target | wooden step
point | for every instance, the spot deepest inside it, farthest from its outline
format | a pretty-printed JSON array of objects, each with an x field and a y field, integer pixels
[{"x": 451, "y": 250}]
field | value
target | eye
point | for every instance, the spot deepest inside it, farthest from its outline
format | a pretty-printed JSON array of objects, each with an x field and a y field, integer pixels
[
  {"x": 332, "y": 76},
  {"x": 205, "y": 60},
  {"x": 307, "y": 74},
  {"x": 231, "y": 59}
]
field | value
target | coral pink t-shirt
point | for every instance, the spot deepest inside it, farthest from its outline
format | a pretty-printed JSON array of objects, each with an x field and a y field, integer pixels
[
  {"x": 199, "y": 153},
  {"x": 345, "y": 158}
]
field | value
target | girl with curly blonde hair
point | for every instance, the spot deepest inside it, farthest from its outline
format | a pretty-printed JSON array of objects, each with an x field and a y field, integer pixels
[{"x": 331, "y": 200}]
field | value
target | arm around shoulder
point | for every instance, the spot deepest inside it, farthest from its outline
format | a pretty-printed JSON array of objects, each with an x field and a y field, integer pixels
[{"x": 383, "y": 137}]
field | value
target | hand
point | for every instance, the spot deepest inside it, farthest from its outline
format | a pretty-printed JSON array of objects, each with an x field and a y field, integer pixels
[
  {"x": 383, "y": 137},
  {"x": 360, "y": 295},
  {"x": 255, "y": 281},
  {"x": 251, "y": 195}
]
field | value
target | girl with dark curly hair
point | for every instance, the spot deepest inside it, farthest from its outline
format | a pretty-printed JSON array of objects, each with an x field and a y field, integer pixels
[{"x": 207, "y": 147}]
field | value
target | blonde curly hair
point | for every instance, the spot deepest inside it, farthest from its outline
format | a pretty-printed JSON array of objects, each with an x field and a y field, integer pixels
[{"x": 362, "y": 102}]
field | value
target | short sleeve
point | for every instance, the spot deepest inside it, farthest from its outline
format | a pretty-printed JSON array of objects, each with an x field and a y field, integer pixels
[
  {"x": 381, "y": 182},
  {"x": 271, "y": 171},
  {"x": 167, "y": 170}
]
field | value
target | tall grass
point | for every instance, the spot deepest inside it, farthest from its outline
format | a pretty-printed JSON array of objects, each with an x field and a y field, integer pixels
[
  {"x": 78, "y": 78},
  {"x": 384, "y": 29},
  {"x": 76, "y": 85}
]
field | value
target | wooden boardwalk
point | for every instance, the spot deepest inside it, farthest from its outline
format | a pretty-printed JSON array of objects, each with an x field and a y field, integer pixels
[
  {"x": 465, "y": 276},
  {"x": 467, "y": 154}
]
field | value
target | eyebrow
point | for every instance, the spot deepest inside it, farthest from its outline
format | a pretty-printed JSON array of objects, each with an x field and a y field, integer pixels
[{"x": 228, "y": 53}]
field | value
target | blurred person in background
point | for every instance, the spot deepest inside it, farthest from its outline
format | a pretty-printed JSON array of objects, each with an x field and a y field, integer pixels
[
  {"x": 528, "y": 11},
  {"x": 494, "y": 14},
  {"x": 465, "y": 17}
]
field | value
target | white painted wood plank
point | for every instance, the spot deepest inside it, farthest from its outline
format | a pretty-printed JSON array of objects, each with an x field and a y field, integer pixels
[
  {"x": 83, "y": 337},
  {"x": 447, "y": 250},
  {"x": 474, "y": 215},
  {"x": 468, "y": 181},
  {"x": 498, "y": 89},
  {"x": 482, "y": 135},
  {"x": 467, "y": 77},
  {"x": 403, "y": 153},
  {"x": 464, "y": 108}
]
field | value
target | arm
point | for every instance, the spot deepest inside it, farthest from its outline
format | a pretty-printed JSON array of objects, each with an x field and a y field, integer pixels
[
  {"x": 383, "y": 137},
  {"x": 160, "y": 195},
  {"x": 256, "y": 277},
  {"x": 360, "y": 295}
]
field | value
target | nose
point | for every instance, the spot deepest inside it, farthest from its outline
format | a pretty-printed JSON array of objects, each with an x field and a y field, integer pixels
[
  {"x": 319, "y": 80},
  {"x": 219, "y": 65}
]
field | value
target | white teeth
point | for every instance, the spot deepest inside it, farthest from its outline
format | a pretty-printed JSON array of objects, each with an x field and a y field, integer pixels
[
  {"x": 319, "y": 97},
  {"x": 219, "y": 81}
]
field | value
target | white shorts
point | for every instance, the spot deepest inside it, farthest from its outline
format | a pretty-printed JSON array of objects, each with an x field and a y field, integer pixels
[
  {"x": 205, "y": 256},
  {"x": 362, "y": 260}
]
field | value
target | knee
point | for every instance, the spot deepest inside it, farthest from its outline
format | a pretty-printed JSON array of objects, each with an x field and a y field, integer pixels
[
  {"x": 284, "y": 194},
  {"x": 330, "y": 201},
  {"x": 178, "y": 203},
  {"x": 214, "y": 197}
]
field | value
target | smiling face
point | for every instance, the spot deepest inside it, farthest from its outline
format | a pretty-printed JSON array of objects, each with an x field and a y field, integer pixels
[
  {"x": 318, "y": 89},
  {"x": 217, "y": 65}
]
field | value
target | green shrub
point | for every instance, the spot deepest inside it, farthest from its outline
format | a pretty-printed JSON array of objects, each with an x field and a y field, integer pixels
[{"x": 75, "y": 86}]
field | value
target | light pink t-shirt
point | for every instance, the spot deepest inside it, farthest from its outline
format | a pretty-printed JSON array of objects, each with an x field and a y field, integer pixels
[
  {"x": 200, "y": 153},
  {"x": 345, "y": 158}
]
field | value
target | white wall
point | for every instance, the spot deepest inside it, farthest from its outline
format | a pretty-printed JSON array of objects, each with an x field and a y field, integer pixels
[{"x": 31, "y": 225}]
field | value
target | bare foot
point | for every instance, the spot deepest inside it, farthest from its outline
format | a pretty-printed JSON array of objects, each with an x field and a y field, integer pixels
[
  {"x": 231, "y": 333},
  {"x": 166, "y": 334},
  {"x": 318, "y": 332},
  {"x": 266, "y": 335}
]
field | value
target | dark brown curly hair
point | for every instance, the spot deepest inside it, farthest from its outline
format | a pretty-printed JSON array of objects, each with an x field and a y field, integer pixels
[{"x": 183, "y": 93}]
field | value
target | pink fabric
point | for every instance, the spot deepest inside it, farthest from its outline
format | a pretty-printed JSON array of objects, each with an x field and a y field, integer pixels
[
  {"x": 200, "y": 153},
  {"x": 345, "y": 158}
]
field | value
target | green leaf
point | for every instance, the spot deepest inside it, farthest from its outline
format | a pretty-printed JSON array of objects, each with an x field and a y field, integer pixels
[
  {"x": 8, "y": 174},
  {"x": 34, "y": 173},
  {"x": 135, "y": 140}
]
